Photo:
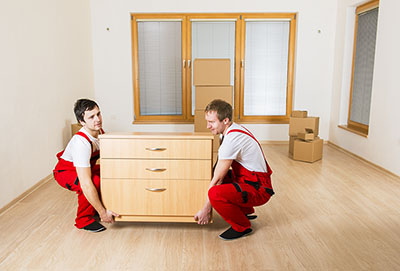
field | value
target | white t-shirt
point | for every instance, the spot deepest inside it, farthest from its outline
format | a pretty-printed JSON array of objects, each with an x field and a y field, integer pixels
[
  {"x": 79, "y": 149},
  {"x": 243, "y": 149}
]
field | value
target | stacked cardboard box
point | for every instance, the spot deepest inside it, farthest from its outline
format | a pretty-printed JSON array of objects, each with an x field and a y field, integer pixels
[
  {"x": 304, "y": 143},
  {"x": 211, "y": 78},
  {"x": 75, "y": 127}
]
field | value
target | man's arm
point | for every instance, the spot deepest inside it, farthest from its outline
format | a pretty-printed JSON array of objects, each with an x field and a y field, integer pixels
[
  {"x": 203, "y": 216},
  {"x": 91, "y": 194}
]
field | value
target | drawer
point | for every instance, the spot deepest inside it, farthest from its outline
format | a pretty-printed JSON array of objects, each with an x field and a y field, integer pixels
[
  {"x": 154, "y": 197},
  {"x": 156, "y": 148},
  {"x": 156, "y": 169}
]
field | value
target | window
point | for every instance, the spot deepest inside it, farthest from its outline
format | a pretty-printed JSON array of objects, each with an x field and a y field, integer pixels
[
  {"x": 267, "y": 68},
  {"x": 212, "y": 39},
  {"x": 260, "y": 46},
  {"x": 363, "y": 67}
]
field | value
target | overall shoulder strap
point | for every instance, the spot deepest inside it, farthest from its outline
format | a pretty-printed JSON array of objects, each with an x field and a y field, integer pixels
[
  {"x": 247, "y": 132},
  {"x": 85, "y": 136}
]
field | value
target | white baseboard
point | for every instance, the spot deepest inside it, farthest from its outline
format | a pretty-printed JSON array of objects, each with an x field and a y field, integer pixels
[{"x": 25, "y": 194}]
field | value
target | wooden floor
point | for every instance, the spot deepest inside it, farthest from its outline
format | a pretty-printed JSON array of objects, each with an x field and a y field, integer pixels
[{"x": 336, "y": 214}]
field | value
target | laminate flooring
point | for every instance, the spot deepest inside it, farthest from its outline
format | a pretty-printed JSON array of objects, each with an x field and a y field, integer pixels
[{"x": 339, "y": 213}]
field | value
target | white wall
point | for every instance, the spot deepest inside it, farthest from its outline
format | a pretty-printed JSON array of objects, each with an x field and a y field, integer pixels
[
  {"x": 113, "y": 58},
  {"x": 382, "y": 146},
  {"x": 46, "y": 64}
]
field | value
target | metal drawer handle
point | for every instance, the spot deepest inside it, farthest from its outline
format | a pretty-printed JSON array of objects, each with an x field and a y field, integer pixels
[
  {"x": 156, "y": 189},
  {"x": 156, "y": 169},
  {"x": 156, "y": 149}
]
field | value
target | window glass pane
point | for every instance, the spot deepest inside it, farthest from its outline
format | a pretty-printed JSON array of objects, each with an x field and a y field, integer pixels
[
  {"x": 266, "y": 64},
  {"x": 160, "y": 69},
  {"x": 364, "y": 66},
  {"x": 213, "y": 40}
]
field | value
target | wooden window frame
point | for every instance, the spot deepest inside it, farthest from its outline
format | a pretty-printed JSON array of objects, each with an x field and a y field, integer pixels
[
  {"x": 239, "y": 99},
  {"x": 135, "y": 71},
  {"x": 358, "y": 128},
  {"x": 187, "y": 116}
]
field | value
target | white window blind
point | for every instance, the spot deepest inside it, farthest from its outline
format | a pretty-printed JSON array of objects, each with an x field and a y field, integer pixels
[
  {"x": 266, "y": 64},
  {"x": 213, "y": 40},
  {"x": 364, "y": 66},
  {"x": 160, "y": 67}
]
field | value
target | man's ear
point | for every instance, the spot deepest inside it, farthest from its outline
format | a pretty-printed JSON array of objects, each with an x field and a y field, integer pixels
[{"x": 82, "y": 122}]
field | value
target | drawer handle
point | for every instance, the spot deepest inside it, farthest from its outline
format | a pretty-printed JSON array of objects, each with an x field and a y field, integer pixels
[
  {"x": 156, "y": 169},
  {"x": 156, "y": 189},
  {"x": 156, "y": 149}
]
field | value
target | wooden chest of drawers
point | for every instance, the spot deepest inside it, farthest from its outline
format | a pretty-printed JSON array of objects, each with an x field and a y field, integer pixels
[{"x": 155, "y": 176}]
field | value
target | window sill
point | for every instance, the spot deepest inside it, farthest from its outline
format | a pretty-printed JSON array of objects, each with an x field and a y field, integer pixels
[{"x": 354, "y": 130}]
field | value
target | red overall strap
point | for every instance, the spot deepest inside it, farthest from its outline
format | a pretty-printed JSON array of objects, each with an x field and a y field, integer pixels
[
  {"x": 251, "y": 135},
  {"x": 267, "y": 183},
  {"x": 63, "y": 165},
  {"x": 85, "y": 136},
  {"x": 82, "y": 135}
]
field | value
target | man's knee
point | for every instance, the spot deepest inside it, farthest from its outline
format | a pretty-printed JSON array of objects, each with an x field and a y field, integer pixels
[
  {"x": 211, "y": 193},
  {"x": 217, "y": 193}
]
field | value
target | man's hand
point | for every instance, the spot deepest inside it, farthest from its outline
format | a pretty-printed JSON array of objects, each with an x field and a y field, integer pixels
[
  {"x": 108, "y": 216},
  {"x": 202, "y": 217}
]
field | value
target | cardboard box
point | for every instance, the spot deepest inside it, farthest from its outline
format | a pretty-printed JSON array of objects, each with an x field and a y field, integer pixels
[
  {"x": 291, "y": 144},
  {"x": 75, "y": 127},
  {"x": 211, "y": 72},
  {"x": 308, "y": 151},
  {"x": 200, "y": 123},
  {"x": 298, "y": 125},
  {"x": 204, "y": 95},
  {"x": 299, "y": 114},
  {"x": 308, "y": 135}
]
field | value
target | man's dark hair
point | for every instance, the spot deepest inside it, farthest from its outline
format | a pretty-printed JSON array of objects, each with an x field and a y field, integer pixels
[
  {"x": 81, "y": 106},
  {"x": 223, "y": 109}
]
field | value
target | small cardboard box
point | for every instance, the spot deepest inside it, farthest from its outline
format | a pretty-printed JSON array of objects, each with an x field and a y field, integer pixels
[
  {"x": 299, "y": 114},
  {"x": 297, "y": 125},
  {"x": 308, "y": 135},
  {"x": 75, "y": 127},
  {"x": 308, "y": 151},
  {"x": 291, "y": 144},
  {"x": 200, "y": 123},
  {"x": 204, "y": 95},
  {"x": 211, "y": 72}
]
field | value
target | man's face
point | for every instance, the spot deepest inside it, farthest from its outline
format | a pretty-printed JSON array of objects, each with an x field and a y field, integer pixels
[
  {"x": 214, "y": 124},
  {"x": 93, "y": 119}
]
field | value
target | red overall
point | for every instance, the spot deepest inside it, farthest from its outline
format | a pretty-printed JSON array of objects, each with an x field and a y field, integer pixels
[
  {"x": 66, "y": 176},
  {"x": 237, "y": 196}
]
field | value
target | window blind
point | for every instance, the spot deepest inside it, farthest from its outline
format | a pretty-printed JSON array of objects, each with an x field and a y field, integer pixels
[
  {"x": 213, "y": 40},
  {"x": 266, "y": 64},
  {"x": 364, "y": 66},
  {"x": 160, "y": 68}
]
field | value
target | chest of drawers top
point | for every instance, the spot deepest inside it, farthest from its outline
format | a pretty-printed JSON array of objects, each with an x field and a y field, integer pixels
[{"x": 140, "y": 145}]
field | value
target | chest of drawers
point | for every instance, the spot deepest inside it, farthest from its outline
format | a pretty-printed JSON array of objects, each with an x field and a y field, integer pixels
[{"x": 161, "y": 177}]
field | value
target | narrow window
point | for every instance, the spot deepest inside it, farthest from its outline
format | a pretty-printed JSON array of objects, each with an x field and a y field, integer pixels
[{"x": 363, "y": 66}]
